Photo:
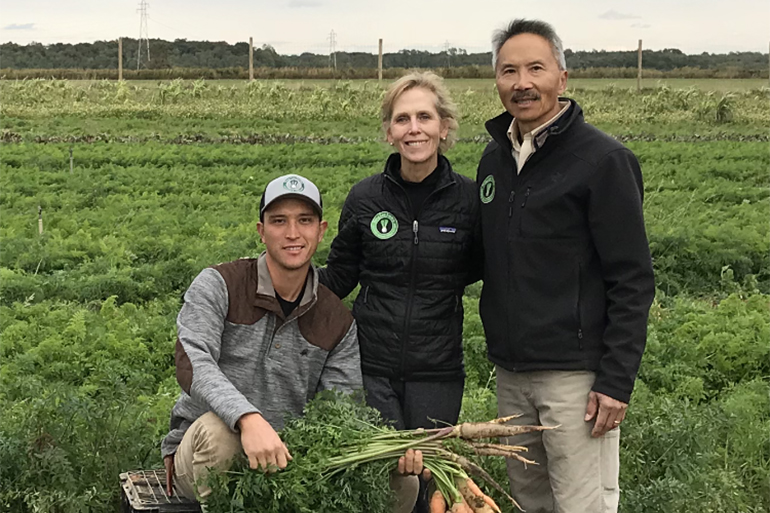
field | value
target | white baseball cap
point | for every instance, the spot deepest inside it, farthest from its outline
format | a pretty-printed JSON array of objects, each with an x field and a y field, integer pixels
[{"x": 291, "y": 186}]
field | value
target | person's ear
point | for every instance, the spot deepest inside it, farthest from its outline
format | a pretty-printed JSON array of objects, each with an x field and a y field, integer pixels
[
  {"x": 324, "y": 226},
  {"x": 261, "y": 231},
  {"x": 563, "y": 81},
  {"x": 444, "y": 129}
]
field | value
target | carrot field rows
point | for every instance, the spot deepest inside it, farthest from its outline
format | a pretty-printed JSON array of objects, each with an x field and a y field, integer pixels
[{"x": 166, "y": 180}]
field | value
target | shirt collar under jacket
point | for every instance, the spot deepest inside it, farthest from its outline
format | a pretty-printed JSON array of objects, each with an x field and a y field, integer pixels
[
  {"x": 538, "y": 133},
  {"x": 267, "y": 291}
]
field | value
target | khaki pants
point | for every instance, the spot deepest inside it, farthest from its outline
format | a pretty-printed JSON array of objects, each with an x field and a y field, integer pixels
[
  {"x": 209, "y": 443},
  {"x": 576, "y": 473}
]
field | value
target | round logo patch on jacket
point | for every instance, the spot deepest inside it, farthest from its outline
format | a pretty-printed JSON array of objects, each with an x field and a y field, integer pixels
[
  {"x": 384, "y": 225},
  {"x": 487, "y": 189}
]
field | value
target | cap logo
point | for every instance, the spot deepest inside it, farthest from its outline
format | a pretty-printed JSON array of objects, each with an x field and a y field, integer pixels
[
  {"x": 294, "y": 184},
  {"x": 384, "y": 225}
]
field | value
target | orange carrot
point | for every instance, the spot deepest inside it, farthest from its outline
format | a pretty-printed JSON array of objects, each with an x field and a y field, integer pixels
[
  {"x": 479, "y": 501},
  {"x": 474, "y": 500},
  {"x": 474, "y": 488},
  {"x": 437, "y": 503},
  {"x": 461, "y": 507}
]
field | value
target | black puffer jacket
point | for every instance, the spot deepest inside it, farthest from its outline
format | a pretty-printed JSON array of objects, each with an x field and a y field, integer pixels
[{"x": 412, "y": 272}]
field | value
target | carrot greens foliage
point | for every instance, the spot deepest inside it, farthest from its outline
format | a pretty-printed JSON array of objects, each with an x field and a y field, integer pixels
[{"x": 331, "y": 424}]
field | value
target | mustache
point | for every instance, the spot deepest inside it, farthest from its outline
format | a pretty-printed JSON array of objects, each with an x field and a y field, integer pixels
[{"x": 525, "y": 95}]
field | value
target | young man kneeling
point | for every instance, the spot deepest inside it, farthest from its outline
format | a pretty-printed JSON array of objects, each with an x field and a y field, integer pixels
[{"x": 257, "y": 339}]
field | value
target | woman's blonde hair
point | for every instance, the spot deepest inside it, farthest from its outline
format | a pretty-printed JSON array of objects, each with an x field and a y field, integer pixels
[{"x": 446, "y": 108}]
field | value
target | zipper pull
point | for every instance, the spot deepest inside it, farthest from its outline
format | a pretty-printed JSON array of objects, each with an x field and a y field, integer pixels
[
  {"x": 526, "y": 195},
  {"x": 415, "y": 228},
  {"x": 510, "y": 203}
]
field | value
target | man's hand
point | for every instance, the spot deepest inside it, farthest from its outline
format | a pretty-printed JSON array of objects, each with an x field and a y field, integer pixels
[
  {"x": 411, "y": 464},
  {"x": 261, "y": 443},
  {"x": 609, "y": 413},
  {"x": 168, "y": 462}
]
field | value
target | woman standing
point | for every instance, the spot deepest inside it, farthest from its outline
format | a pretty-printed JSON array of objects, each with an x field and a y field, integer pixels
[{"x": 408, "y": 235}]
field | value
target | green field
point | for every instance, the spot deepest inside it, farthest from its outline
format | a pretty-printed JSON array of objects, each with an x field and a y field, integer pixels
[
  {"x": 482, "y": 84},
  {"x": 166, "y": 181}
]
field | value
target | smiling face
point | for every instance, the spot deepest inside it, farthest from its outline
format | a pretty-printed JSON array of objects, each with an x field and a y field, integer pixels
[
  {"x": 415, "y": 128},
  {"x": 291, "y": 232},
  {"x": 529, "y": 80}
]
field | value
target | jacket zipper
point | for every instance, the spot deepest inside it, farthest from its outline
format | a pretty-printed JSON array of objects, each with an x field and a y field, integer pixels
[
  {"x": 366, "y": 294},
  {"x": 285, "y": 322},
  {"x": 413, "y": 271},
  {"x": 524, "y": 204},
  {"x": 579, "y": 313}
]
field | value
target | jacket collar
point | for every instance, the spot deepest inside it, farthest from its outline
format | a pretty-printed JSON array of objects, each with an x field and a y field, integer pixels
[
  {"x": 266, "y": 292},
  {"x": 498, "y": 126},
  {"x": 444, "y": 169}
]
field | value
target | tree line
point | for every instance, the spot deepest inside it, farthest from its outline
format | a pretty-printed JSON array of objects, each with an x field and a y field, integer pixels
[{"x": 102, "y": 55}]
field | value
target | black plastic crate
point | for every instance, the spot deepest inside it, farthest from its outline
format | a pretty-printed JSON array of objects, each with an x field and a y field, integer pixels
[{"x": 144, "y": 491}]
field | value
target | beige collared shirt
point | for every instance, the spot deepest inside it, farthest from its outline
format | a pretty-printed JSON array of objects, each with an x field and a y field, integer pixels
[{"x": 523, "y": 150}]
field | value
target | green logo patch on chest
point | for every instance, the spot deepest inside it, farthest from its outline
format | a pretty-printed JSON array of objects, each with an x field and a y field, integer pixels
[
  {"x": 487, "y": 189},
  {"x": 384, "y": 225}
]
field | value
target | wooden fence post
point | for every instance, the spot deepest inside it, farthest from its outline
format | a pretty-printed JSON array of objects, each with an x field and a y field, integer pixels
[
  {"x": 379, "y": 63},
  {"x": 251, "y": 59},
  {"x": 639, "y": 70},
  {"x": 120, "y": 58},
  {"x": 39, "y": 220}
]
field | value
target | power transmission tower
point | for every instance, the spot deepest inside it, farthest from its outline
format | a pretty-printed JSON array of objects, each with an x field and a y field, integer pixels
[
  {"x": 333, "y": 50},
  {"x": 446, "y": 49},
  {"x": 144, "y": 33}
]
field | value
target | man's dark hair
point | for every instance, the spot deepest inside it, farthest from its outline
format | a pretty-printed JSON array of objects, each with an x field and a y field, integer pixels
[{"x": 522, "y": 26}]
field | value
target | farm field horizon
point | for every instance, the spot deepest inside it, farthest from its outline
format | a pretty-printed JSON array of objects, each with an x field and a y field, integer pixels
[
  {"x": 166, "y": 181},
  {"x": 455, "y": 84}
]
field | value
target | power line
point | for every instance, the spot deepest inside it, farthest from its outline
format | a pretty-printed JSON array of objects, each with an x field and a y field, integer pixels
[
  {"x": 333, "y": 50},
  {"x": 144, "y": 33}
]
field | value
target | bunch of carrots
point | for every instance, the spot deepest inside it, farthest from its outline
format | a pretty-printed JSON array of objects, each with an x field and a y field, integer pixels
[{"x": 442, "y": 454}]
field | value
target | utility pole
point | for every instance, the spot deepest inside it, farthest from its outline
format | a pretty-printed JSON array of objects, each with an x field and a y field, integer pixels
[
  {"x": 446, "y": 49},
  {"x": 120, "y": 58},
  {"x": 144, "y": 33},
  {"x": 379, "y": 63},
  {"x": 639, "y": 70},
  {"x": 333, "y": 50},
  {"x": 251, "y": 59}
]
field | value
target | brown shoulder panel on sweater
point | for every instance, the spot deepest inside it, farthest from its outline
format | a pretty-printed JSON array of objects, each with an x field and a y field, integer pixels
[
  {"x": 241, "y": 279},
  {"x": 327, "y": 323},
  {"x": 184, "y": 371}
]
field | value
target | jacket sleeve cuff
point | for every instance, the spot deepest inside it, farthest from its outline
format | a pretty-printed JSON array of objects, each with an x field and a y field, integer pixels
[
  {"x": 602, "y": 387},
  {"x": 234, "y": 411},
  {"x": 170, "y": 444}
]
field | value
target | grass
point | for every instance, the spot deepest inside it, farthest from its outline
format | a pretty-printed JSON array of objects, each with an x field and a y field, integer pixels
[{"x": 482, "y": 84}]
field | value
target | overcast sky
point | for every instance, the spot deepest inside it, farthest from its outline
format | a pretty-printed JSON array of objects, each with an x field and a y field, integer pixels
[{"x": 294, "y": 26}]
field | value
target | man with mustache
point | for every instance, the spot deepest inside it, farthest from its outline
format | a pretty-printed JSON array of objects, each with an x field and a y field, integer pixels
[{"x": 568, "y": 276}]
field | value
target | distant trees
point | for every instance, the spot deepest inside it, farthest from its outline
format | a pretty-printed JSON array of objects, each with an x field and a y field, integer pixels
[{"x": 182, "y": 53}]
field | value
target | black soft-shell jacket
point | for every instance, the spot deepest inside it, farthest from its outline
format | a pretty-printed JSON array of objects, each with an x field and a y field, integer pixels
[
  {"x": 568, "y": 277},
  {"x": 412, "y": 272}
]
